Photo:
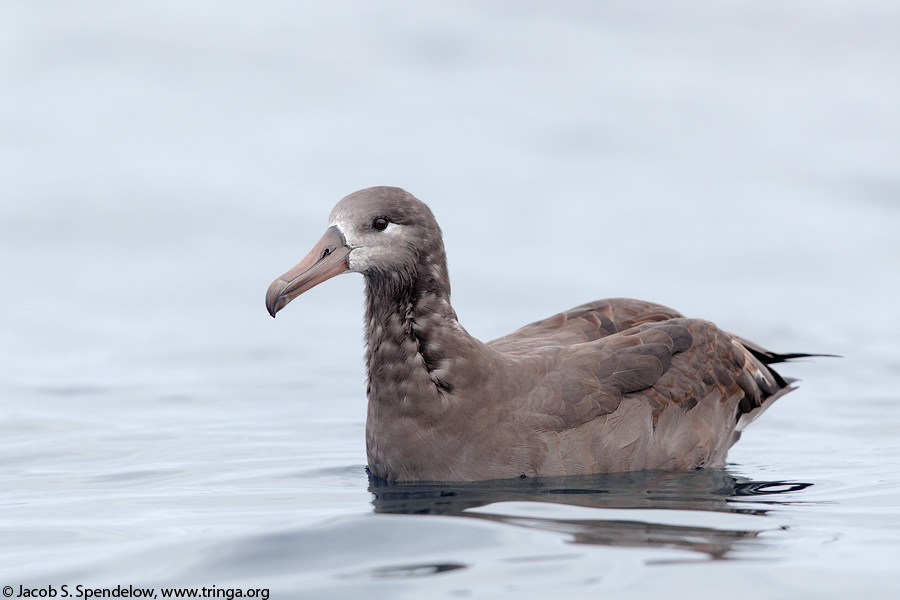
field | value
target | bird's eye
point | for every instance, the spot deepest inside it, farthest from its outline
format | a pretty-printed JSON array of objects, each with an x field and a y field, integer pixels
[{"x": 380, "y": 224}]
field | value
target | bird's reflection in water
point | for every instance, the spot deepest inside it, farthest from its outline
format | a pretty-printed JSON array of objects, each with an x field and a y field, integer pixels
[{"x": 702, "y": 490}]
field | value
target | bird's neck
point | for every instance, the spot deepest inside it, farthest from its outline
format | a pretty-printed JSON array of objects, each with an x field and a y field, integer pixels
[
  {"x": 411, "y": 331},
  {"x": 421, "y": 362}
]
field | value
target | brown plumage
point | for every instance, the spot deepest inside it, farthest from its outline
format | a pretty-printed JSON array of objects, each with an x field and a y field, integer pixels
[{"x": 613, "y": 385}]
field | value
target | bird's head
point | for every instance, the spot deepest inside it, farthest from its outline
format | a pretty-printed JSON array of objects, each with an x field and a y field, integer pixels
[{"x": 382, "y": 232}]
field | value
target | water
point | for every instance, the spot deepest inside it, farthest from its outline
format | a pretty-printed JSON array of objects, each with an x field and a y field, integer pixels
[{"x": 162, "y": 162}]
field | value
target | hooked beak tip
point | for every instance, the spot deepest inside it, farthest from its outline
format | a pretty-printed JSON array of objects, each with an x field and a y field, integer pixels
[{"x": 275, "y": 298}]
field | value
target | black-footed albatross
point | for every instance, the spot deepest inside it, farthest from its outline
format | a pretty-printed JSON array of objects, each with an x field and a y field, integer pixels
[{"x": 609, "y": 386}]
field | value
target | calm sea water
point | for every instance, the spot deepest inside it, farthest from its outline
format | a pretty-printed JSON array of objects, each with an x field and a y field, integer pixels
[{"x": 162, "y": 162}]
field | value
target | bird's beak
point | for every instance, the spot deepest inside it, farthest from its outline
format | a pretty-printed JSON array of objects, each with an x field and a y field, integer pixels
[{"x": 327, "y": 259}]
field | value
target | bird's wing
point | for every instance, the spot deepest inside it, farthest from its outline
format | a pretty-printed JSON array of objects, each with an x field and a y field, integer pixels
[
  {"x": 673, "y": 363},
  {"x": 588, "y": 380},
  {"x": 675, "y": 392}
]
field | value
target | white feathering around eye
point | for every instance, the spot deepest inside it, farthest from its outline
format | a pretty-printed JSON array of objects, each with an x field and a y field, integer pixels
[
  {"x": 355, "y": 237},
  {"x": 366, "y": 243},
  {"x": 392, "y": 229}
]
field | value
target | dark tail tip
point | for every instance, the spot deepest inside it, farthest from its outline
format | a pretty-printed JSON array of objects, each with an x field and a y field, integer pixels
[{"x": 771, "y": 358}]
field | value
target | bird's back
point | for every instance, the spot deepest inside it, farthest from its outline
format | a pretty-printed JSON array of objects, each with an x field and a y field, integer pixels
[{"x": 584, "y": 323}]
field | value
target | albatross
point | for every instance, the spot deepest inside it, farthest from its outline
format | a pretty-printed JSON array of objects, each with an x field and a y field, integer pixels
[{"x": 609, "y": 386}]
